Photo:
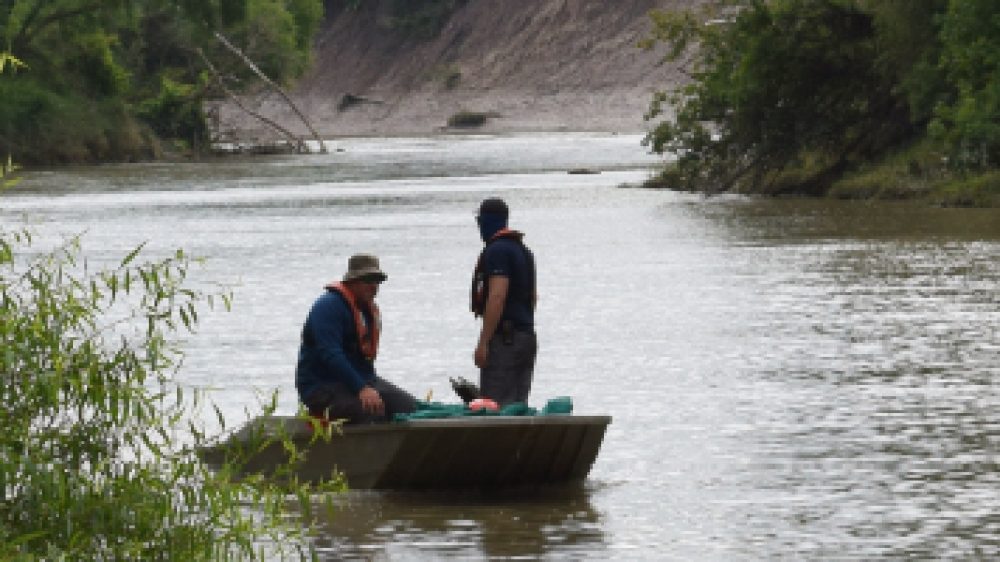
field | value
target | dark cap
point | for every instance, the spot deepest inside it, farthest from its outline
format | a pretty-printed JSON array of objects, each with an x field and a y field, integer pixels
[{"x": 493, "y": 206}]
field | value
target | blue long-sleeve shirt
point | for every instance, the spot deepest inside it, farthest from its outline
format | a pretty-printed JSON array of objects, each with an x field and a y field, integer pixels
[{"x": 329, "y": 351}]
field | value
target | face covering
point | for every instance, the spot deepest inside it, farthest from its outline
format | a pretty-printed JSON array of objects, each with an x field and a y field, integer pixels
[{"x": 489, "y": 224}]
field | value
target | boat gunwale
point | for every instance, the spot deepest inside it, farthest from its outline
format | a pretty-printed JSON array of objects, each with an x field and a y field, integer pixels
[{"x": 298, "y": 427}]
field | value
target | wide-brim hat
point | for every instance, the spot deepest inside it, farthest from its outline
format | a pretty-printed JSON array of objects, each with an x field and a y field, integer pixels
[{"x": 362, "y": 266}]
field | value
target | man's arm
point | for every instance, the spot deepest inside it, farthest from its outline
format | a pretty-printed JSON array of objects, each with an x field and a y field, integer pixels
[
  {"x": 328, "y": 322},
  {"x": 491, "y": 317}
]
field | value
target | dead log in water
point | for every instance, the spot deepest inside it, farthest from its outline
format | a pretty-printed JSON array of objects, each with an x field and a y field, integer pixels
[
  {"x": 297, "y": 142},
  {"x": 252, "y": 66}
]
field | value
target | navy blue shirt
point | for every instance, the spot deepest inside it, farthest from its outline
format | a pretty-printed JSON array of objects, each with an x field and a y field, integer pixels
[
  {"x": 511, "y": 259},
  {"x": 329, "y": 352}
]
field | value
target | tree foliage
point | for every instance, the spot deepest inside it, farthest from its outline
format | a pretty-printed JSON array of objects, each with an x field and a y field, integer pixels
[
  {"x": 968, "y": 119},
  {"x": 96, "y": 440},
  {"x": 821, "y": 87},
  {"x": 97, "y": 65}
]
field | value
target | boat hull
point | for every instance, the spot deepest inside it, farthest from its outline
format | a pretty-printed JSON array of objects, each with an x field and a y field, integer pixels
[{"x": 460, "y": 452}]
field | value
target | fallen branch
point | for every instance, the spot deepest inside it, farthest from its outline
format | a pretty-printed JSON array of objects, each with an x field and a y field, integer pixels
[
  {"x": 300, "y": 145},
  {"x": 222, "y": 39}
]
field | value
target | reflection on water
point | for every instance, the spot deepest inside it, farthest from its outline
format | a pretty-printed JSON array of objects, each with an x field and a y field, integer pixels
[
  {"x": 524, "y": 524},
  {"x": 789, "y": 379}
]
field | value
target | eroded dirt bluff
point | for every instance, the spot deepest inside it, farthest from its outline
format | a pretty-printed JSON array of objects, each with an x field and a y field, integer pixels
[{"x": 537, "y": 65}]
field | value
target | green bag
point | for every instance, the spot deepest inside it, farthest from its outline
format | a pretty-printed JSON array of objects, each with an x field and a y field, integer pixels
[{"x": 559, "y": 405}]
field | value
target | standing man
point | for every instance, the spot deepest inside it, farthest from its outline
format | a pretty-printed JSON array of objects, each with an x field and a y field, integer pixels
[
  {"x": 335, "y": 376},
  {"x": 504, "y": 294}
]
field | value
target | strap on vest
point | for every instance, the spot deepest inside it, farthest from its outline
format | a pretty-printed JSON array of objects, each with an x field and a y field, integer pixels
[
  {"x": 480, "y": 285},
  {"x": 368, "y": 336}
]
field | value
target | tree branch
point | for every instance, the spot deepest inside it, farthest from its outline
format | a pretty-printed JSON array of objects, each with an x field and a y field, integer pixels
[
  {"x": 269, "y": 82},
  {"x": 27, "y": 32},
  {"x": 299, "y": 144}
]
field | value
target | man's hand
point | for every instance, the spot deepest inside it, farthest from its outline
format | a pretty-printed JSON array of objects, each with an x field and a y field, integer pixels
[
  {"x": 482, "y": 355},
  {"x": 371, "y": 402}
]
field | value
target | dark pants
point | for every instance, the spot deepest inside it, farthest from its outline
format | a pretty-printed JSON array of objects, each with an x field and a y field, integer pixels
[
  {"x": 339, "y": 402},
  {"x": 507, "y": 377}
]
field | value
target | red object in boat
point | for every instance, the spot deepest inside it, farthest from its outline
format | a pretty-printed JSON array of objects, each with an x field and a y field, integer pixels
[{"x": 483, "y": 404}]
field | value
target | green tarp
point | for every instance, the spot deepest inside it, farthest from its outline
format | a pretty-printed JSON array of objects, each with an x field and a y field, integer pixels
[{"x": 436, "y": 410}]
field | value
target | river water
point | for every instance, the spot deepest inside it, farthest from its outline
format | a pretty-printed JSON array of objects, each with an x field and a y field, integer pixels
[{"x": 789, "y": 379}]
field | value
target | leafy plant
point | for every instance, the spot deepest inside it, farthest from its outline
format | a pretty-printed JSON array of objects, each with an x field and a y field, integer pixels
[
  {"x": 9, "y": 60},
  {"x": 805, "y": 96},
  {"x": 97, "y": 441},
  {"x": 176, "y": 113},
  {"x": 118, "y": 56},
  {"x": 773, "y": 82},
  {"x": 7, "y": 167},
  {"x": 7, "y": 170},
  {"x": 969, "y": 120}
]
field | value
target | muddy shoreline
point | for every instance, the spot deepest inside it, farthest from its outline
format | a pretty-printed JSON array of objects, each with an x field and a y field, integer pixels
[
  {"x": 536, "y": 65},
  {"x": 427, "y": 113}
]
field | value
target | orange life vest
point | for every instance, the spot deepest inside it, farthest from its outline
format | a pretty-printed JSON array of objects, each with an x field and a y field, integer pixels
[
  {"x": 367, "y": 335},
  {"x": 480, "y": 286}
]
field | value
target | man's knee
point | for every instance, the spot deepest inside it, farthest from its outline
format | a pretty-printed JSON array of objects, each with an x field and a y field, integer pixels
[
  {"x": 397, "y": 400},
  {"x": 319, "y": 402},
  {"x": 334, "y": 402}
]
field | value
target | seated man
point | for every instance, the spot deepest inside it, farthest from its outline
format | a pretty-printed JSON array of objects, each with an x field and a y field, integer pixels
[{"x": 335, "y": 376}]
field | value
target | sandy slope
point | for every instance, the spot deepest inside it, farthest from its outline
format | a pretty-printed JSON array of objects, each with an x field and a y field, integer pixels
[{"x": 540, "y": 65}]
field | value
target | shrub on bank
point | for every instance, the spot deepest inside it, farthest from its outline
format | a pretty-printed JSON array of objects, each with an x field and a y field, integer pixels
[
  {"x": 982, "y": 190},
  {"x": 470, "y": 119},
  {"x": 97, "y": 441},
  {"x": 910, "y": 173},
  {"x": 54, "y": 127}
]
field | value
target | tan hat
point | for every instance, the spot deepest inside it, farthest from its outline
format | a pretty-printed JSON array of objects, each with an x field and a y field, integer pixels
[{"x": 363, "y": 265}]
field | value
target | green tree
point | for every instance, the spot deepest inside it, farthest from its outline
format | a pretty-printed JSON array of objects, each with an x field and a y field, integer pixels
[
  {"x": 105, "y": 73},
  {"x": 968, "y": 121},
  {"x": 908, "y": 50},
  {"x": 776, "y": 85}
]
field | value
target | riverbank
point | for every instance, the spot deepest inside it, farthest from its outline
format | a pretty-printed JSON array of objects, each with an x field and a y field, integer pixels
[
  {"x": 889, "y": 183},
  {"x": 396, "y": 114},
  {"x": 535, "y": 66}
]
